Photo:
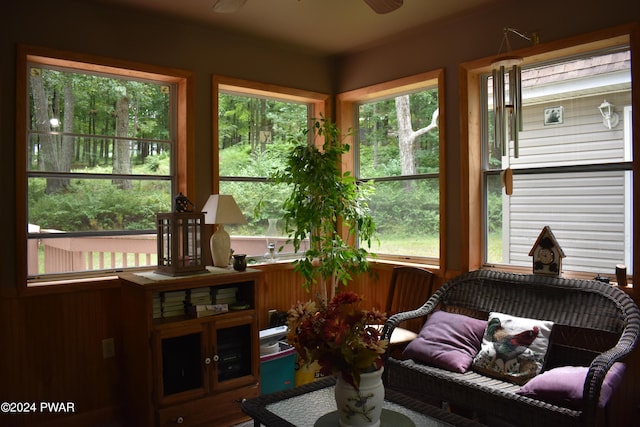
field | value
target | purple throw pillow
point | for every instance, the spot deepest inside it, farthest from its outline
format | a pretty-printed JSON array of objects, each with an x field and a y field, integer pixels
[
  {"x": 448, "y": 341},
  {"x": 564, "y": 386}
]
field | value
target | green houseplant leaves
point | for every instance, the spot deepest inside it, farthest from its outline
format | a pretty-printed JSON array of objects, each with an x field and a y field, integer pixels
[{"x": 327, "y": 206}]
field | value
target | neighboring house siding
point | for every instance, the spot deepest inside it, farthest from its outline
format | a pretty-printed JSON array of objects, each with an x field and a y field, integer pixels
[{"x": 585, "y": 211}]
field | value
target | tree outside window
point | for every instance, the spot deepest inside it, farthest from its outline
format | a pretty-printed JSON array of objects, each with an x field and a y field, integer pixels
[{"x": 398, "y": 144}]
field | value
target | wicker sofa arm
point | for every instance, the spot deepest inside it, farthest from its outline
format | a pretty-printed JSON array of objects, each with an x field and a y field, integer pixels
[
  {"x": 393, "y": 321},
  {"x": 601, "y": 365}
]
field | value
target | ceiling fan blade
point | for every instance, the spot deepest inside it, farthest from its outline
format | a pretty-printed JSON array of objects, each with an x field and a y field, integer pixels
[
  {"x": 383, "y": 6},
  {"x": 227, "y": 6}
]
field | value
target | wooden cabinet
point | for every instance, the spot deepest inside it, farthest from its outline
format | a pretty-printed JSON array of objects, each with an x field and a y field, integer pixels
[{"x": 185, "y": 370}]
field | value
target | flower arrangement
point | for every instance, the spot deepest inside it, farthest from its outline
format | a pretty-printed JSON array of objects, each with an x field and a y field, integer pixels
[{"x": 340, "y": 336}]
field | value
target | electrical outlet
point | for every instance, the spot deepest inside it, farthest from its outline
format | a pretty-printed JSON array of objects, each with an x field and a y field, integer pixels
[{"x": 108, "y": 348}]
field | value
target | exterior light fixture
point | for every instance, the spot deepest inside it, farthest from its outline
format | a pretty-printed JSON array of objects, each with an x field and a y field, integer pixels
[{"x": 609, "y": 117}]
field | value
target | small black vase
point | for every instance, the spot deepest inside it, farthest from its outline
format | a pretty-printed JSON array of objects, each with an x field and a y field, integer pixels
[{"x": 240, "y": 262}]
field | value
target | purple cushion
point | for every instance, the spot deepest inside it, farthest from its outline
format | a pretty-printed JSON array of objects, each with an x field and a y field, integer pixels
[
  {"x": 448, "y": 341},
  {"x": 564, "y": 386}
]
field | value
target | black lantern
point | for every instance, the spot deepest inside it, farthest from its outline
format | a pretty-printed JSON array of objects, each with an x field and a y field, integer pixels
[{"x": 180, "y": 249}]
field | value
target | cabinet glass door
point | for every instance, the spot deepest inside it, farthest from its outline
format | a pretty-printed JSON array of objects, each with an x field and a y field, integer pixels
[
  {"x": 234, "y": 342},
  {"x": 234, "y": 352},
  {"x": 180, "y": 367}
]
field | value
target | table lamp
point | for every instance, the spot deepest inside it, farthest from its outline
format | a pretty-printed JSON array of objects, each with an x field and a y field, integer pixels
[{"x": 221, "y": 209}]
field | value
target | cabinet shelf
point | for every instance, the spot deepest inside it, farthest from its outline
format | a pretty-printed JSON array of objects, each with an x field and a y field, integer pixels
[
  {"x": 176, "y": 361},
  {"x": 186, "y": 319}
]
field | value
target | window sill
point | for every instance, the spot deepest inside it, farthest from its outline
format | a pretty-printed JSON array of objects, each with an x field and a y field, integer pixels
[
  {"x": 68, "y": 285},
  {"x": 565, "y": 274}
]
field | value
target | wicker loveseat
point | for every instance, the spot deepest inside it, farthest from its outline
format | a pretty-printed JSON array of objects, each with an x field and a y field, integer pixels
[{"x": 595, "y": 325}]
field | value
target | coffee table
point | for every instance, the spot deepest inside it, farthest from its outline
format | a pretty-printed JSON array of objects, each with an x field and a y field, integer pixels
[{"x": 312, "y": 405}]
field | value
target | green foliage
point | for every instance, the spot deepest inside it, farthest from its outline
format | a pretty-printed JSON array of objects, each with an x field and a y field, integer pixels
[
  {"x": 157, "y": 164},
  {"x": 99, "y": 205},
  {"x": 403, "y": 207},
  {"x": 494, "y": 210},
  {"x": 321, "y": 199},
  {"x": 257, "y": 122},
  {"x": 378, "y": 152}
]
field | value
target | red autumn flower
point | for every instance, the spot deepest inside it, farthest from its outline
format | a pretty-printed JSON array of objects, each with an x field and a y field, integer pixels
[{"x": 340, "y": 336}]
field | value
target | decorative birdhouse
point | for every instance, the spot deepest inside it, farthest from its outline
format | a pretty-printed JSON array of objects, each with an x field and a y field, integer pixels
[
  {"x": 547, "y": 254},
  {"x": 180, "y": 245}
]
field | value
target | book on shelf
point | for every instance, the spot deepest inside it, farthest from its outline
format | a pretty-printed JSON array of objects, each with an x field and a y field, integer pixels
[
  {"x": 174, "y": 296},
  {"x": 225, "y": 291},
  {"x": 206, "y": 300},
  {"x": 224, "y": 300},
  {"x": 156, "y": 306},
  {"x": 200, "y": 296},
  {"x": 173, "y": 309}
]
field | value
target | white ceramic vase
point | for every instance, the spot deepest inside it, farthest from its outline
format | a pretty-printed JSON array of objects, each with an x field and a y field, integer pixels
[{"x": 362, "y": 407}]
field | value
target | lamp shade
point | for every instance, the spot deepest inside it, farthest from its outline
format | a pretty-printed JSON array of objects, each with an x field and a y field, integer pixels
[{"x": 222, "y": 209}]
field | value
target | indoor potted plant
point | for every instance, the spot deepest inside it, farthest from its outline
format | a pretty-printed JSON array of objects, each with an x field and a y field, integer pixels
[
  {"x": 345, "y": 341},
  {"x": 328, "y": 207}
]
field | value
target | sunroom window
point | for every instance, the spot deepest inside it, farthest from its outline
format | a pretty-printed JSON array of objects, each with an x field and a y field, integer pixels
[
  {"x": 256, "y": 123},
  {"x": 100, "y": 146},
  {"x": 398, "y": 142},
  {"x": 574, "y": 168}
]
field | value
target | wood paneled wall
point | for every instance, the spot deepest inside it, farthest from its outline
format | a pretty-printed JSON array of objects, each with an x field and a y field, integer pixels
[
  {"x": 282, "y": 287},
  {"x": 51, "y": 344},
  {"x": 51, "y": 351},
  {"x": 51, "y": 348}
]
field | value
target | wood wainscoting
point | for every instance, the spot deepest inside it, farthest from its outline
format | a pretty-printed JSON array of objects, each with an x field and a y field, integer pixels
[
  {"x": 51, "y": 347},
  {"x": 51, "y": 350},
  {"x": 282, "y": 287}
]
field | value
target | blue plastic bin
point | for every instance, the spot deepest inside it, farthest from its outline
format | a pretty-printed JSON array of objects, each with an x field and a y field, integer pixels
[{"x": 277, "y": 370}]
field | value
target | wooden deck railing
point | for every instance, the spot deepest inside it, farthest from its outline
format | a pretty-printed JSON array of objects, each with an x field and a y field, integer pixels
[
  {"x": 67, "y": 254},
  {"x": 96, "y": 253}
]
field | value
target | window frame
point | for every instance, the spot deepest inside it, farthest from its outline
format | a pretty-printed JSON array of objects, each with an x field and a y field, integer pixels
[
  {"x": 184, "y": 152},
  {"x": 346, "y": 104},
  {"x": 319, "y": 104},
  {"x": 473, "y": 244}
]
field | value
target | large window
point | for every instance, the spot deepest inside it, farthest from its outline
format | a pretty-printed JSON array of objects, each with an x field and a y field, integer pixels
[
  {"x": 398, "y": 142},
  {"x": 573, "y": 171},
  {"x": 100, "y": 145},
  {"x": 256, "y": 123}
]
